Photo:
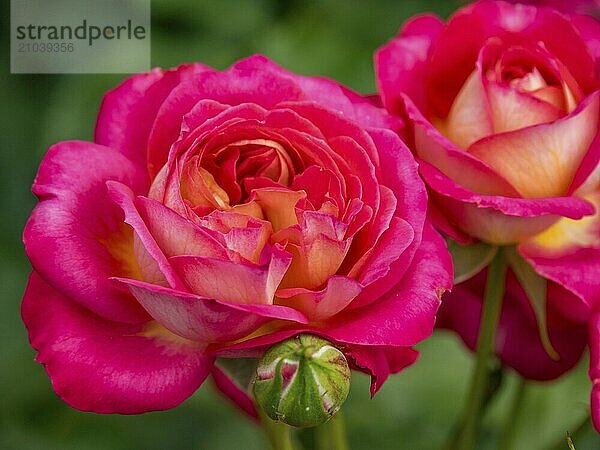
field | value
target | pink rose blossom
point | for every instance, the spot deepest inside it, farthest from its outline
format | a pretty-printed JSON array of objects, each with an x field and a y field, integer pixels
[
  {"x": 493, "y": 98},
  {"x": 502, "y": 107},
  {"x": 215, "y": 214}
]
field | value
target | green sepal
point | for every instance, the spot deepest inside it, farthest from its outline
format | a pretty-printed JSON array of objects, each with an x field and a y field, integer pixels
[
  {"x": 536, "y": 287},
  {"x": 469, "y": 259}
]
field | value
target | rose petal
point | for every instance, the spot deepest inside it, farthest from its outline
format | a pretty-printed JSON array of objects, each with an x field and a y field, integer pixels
[
  {"x": 498, "y": 219},
  {"x": 278, "y": 206},
  {"x": 456, "y": 48},
  {"x": 109, "y": 367},
  {"x": 498, "y": 55},
  {"x": 320, "y": 305},
  {"x": 326, "y": 92},
  {"x": 405, "y": 315},
  {"x": 567, "y": 236},
  {"x": 399, "y": 174},
  {"x": 234, "y": 282},
  {"x": 153, "y": 264},
  {"x": 128, "y": 111},
  {"x": 542, "y": 160},
  {"x": 176, "y": 235},
  {"x": 256, "y": 346},
  {"x": 568, "y": 253},
  {"x": 234, "y": 86},
  {"x": 589, "y": 29},
  {"x": 236, "y": 394},
  {"x": 380, "y": 361},
  {"x": 320, "y": 186},
  {"x": 431, "y": 146},
  {"x": 75, "y": 237},
  {"x": 379, "y": 262},
  {"x": 401, "y": 64},
  {"x": 512, "y": 110},
  {"x": 218, "y": 125},
  {"x": 203, "y": 319},
  {"x": 364, "y": 241},
  {"x": 318, "y": 245},
  {"x": 470, "y": 117},
  {"x": 587, "y": 178},
  {"x": 360, "y": 165},
  {"x": 333, "y": 124}
]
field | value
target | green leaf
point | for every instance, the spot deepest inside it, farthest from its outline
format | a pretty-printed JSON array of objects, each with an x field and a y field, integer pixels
[
  {"x": 469, "y": 259},
  {"x": 240, "y": 370},
  {"x": 535, "y": 287}
]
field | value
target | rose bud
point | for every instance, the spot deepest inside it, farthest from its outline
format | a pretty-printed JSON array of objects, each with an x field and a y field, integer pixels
[{"x": 302, "y": 381}]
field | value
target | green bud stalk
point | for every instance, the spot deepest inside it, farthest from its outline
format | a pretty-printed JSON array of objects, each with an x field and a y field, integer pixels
[{"x": 302, "y": 381}]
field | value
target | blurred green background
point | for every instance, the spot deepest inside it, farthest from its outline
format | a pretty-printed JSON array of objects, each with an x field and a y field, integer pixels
[{"x": 336, "y": 38}]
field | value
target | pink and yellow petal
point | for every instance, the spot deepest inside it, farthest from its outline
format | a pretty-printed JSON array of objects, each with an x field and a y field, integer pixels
[
  {"x": 568, "y": 253},
  {"x": 320, "y": 305},
  {"x": 566, "y": 236},
  {"x": 75, "y": 237},
  {"x": 470, "y": 172},
  {"x": 406, "y": 314},
  {"x": 512, "y": 110},
  {"x": 456, "y": 48},
  {"x": 109, "y": 367},
  {"x": 542, "y": 160},
  {"x": 128, "y": 111},
  {"x": 232, "y": 87},
  {"x": 176, "y": 235},
  {"x": 152, "y": 262},
  {"x": 205, "y": 320},
  {"x": 471, "y": 117},
  {"x": 498, "y": 219},
  {"x": 234, "y": 282}
]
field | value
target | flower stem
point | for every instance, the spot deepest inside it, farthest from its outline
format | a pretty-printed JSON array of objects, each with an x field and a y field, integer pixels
[
  {"x": 279, "y": 434},
  {"x": 332, "y": 435},
  {"x": 510, "y": 428},
  {"x": 494, "y": 292}
]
